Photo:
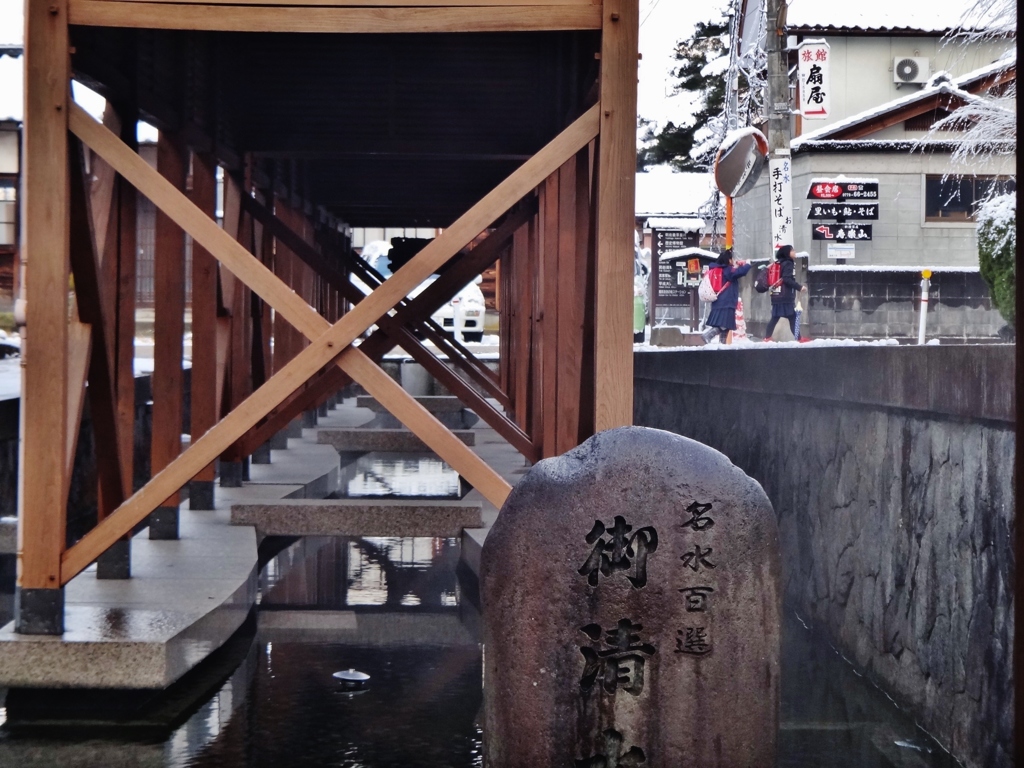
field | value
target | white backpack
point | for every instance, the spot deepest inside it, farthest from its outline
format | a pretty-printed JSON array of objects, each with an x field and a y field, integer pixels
[{"x": 704, "y": 290}]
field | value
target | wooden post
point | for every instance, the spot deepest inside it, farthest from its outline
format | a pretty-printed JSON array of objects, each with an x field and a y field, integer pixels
[
  {"x": 570, "y": 309},
  {"x": 204, "y": 330},
  {"x": 39, "y": 600},
  {"x": 613, "y": 331},
  {"x": 548, "y": 301},
  {"x": 115, "y": 563},
  {"x": 169, "y": 328}
]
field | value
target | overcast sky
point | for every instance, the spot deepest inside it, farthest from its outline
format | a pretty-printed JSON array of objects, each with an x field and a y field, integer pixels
[{"x": 662, "y": 23}]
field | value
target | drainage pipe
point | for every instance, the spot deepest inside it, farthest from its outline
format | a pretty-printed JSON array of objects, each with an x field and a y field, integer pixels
[{"x": 925, "y": 275}]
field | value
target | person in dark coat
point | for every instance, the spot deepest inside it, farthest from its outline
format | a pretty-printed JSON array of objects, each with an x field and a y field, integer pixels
[
  {"x": 722, "y": 317},
  {"x": 783, "y": 294}
]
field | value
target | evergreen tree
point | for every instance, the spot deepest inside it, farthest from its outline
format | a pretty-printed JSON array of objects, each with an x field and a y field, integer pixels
[{"x": 675, "y": 144}]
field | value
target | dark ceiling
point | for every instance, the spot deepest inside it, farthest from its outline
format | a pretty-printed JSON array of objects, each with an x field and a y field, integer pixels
[{"x": 381, "y": 130}]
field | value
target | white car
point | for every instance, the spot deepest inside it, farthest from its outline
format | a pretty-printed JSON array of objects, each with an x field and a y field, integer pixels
[{"x": 463, "y": 315}]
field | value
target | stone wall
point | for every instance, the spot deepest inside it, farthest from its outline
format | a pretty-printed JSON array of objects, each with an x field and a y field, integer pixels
[{"x": 891, "y": 471}]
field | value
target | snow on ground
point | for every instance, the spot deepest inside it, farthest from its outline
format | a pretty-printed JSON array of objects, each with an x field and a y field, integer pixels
[{"x": 750, "y": 344}]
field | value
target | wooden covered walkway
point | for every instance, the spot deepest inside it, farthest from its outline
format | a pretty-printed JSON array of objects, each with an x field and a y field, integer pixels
[{"x": 509, "y": 124}]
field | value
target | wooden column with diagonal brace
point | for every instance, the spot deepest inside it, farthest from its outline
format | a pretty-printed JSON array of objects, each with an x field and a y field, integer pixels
[
  {"x": 328, "y": 343},
  {"x": 42, "y": 463}
]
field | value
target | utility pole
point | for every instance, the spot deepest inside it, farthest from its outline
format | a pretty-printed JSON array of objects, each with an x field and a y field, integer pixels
[
  {"x": 779, "y": 164},
  {"x": 778, "y": 78}
]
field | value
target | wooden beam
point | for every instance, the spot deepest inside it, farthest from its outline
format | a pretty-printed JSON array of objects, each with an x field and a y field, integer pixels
[
  {"x": 96, "y": 306},
  {"x": 422, "y": 423},
  {"x": 240, "y": 18},
  {"x": 206, "y": 232},
  {"x": 79, "y": 351},
  {"x": 525, "y": 5},
  {"x": 205, "y": 387},
  {"x": 124, "y": 318},
  {"x": 549, "y": 299},
  {"x": 328, "y": 341},
  {"x": 169, "y": 319},
  {"x": 613, "y": 342},
  {"x": 45, "y": 242},
  {"x": 570, "y": 311}
]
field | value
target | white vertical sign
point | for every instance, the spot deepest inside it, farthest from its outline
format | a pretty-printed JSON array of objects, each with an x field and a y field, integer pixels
[
  {"x": 780, "y": 185},
  {"x": 813, "y": 73}
]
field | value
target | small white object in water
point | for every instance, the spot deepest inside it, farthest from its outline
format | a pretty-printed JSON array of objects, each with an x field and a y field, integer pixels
[{"x": 352, "y": 677}]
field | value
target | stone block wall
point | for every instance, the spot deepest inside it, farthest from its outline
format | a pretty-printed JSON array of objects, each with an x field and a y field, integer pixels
[{"x": 890, "y": 469}]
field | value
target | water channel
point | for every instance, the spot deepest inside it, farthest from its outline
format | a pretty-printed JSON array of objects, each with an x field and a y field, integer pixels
[{"x": 404, "y": 612}]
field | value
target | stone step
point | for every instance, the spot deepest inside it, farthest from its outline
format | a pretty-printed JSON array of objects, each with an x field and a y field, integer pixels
[
  {"x": 359, "y": 517},
  {"x": 447, "y": 409},
  {"x": 366, "y": 439},
  {"x": 184, "y": 600}
]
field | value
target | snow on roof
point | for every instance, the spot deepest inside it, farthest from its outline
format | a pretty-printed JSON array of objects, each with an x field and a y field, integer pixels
[
  {"x": 936, "y": 16},
  {"x": 1009, "y": 59},
  {"x": 674, "y": 222},
  {"x": 663, "y": 192},
  {"x": 938, "y": 87},
  {"x": 688, "y": 253}
]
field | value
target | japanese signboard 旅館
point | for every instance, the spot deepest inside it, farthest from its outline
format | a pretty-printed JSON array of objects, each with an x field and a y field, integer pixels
[{"x": 813, "y": 73}]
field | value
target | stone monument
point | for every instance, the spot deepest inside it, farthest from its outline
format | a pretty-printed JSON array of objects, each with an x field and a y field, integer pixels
[{"x": 631, "y": 611}]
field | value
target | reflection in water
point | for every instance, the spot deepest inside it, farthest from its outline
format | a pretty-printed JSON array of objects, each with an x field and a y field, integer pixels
[
  {"x": 400, "y": 475},
  {"x": 281, "y": 706},
  {"x": 331, "y": 573}
]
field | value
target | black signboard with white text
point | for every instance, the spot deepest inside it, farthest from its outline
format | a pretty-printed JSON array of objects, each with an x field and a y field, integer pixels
[
  {"x": 843, "y": 211},
  {"x": 841, "y": 233}
]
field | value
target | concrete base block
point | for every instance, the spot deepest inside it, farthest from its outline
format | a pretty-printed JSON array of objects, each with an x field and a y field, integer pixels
[
  {"x": 279, "y": 442},
  {"x": 231, "y": 474},
  {"x": 309, "y": 419},
  {"x": 359, "y": 517},
  {"x": 363, "y": 440},
  {"x": 200, "y": 495},
  {"x": 163, "y": 524},
  {"x": 447, "y": 409},
  {"x": 38, "y": 611},
  {"x": 294, "y": 429},
  {"x": 245, "y": 470},
  {"x": 673, "y": 336},
  {"x": 116, "y": 562},
  {"x": 8, "y": 535},
  {"x": 261, "y": 455},
  {"x": 322, "y": 410}
]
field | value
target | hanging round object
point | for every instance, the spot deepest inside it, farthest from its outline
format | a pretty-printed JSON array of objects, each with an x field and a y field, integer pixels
[{"x": 739, "y": 161}]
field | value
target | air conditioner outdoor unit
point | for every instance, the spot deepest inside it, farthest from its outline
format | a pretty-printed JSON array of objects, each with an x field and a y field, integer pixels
[{"x": 911, "y": 69}]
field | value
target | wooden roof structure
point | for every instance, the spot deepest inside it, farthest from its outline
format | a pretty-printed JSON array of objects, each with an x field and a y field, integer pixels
[{"x": 507, "y": 123}]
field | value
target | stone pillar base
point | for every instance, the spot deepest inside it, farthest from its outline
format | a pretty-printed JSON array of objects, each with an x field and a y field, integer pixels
[
  {"x": 279, "y": 442},
  {"x": 322, "y": 410},
  {"x": 231, "y": 474},
  {"x": 163, "y": 524},
  {"x": 294, "y": 429},
  {"x": 309, "y": 419},
  {"x": 261, "y": 455},
  {"x": 39, "y": 611},
  {"x": 245, "y": 470},
  {"x": 116, "y": 562},
  {"x": 200, "y": 494}
]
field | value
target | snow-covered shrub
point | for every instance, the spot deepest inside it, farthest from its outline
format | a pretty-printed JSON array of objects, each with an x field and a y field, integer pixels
[{"x": 997, "y": 251}]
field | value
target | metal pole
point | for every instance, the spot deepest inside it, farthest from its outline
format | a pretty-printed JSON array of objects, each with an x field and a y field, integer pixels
[{"x": 924, "y": 305}]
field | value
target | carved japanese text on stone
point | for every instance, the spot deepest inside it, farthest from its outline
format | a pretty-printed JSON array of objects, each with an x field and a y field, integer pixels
[
  {"x": 613, "y": 756},
  {"x": 693, "y": 641},
  {"x": 696, "y": 598},
  {"x": 618, "y": 661},
  {"x": 698, "y": 558},
  {"x": 614, "y": 549},
  {"x": 698, "y": 520}
]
